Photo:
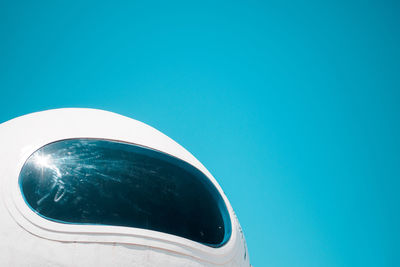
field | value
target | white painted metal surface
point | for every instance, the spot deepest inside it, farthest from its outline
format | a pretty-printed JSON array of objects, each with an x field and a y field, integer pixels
[{"x": 27, "y": 239}]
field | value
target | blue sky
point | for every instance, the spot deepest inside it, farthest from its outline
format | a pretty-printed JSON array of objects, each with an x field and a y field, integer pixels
[{"x": 292, "y": 105}]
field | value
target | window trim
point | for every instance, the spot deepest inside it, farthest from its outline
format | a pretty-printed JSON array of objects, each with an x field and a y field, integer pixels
[{"x": 51, "y": 230}]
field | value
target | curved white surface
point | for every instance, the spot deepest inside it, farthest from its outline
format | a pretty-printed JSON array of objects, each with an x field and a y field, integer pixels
[{"x": 28, "y": 239}]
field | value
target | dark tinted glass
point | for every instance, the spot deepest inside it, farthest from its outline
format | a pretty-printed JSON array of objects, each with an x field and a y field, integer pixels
[{"x": 90, "y": 181}]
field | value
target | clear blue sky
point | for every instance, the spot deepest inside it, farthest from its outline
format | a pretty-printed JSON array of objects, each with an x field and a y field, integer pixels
[{"x": 294, "y": 106}]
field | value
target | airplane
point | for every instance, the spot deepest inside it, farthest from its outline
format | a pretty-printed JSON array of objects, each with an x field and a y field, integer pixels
[{"x": 87, "y": 187}]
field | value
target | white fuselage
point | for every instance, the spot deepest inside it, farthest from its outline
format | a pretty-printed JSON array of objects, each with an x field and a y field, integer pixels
[{"x": 27, "y": 239}]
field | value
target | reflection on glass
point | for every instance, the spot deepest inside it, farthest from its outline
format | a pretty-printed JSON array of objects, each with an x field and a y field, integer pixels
[{"x": 89, "y": 181}]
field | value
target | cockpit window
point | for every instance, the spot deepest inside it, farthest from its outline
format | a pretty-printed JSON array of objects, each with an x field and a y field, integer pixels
[{"x": 92, "y": 181}]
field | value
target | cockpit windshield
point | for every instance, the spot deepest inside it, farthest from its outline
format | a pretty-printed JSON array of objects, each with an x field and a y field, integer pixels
[{"x": 95, "y": 181}]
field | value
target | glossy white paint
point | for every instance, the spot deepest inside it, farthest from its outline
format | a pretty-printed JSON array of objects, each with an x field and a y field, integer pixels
[{"x": 27, "y": 239}]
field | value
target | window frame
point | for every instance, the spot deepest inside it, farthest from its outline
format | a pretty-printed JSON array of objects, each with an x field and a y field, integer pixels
[{"x": 43, "y": 228}]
